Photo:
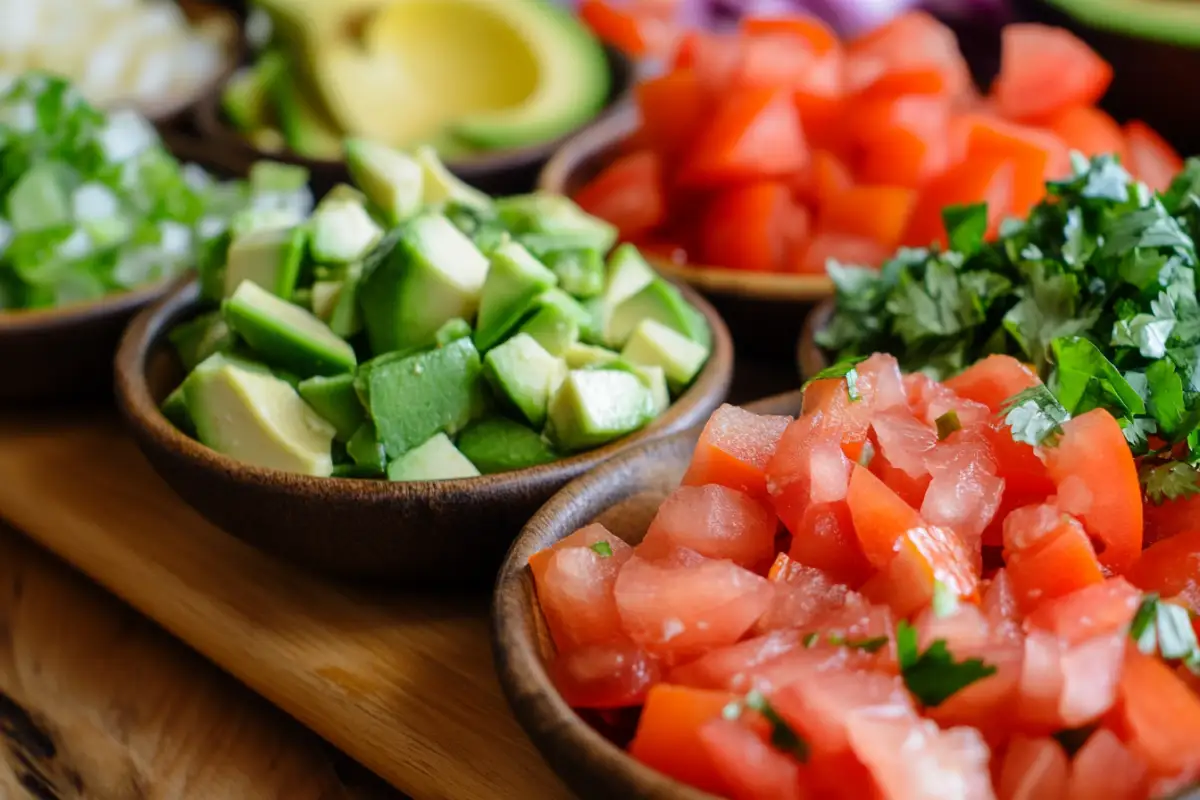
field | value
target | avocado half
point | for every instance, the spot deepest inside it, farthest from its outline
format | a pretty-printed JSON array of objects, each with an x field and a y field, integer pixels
[{"x": 492, "y": 74}]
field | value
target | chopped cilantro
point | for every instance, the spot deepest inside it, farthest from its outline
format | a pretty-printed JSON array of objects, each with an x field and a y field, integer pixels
[
  {"x": 933, "y": 675},
  {"x": 1035, "y": 416},
  {"x": 852, "y": 385},
  {"x": 1169, "y": 481},
  {"x": 869, "y": 644},
  {"x": 783, "y": 737},
  {"x": 947, "y": 424},
  {"x": 1165, "y": 629},
  {"x": 868, "y": 453},
  {"x": 602, "y": 549},
  {"x": 810, "y": 639}
]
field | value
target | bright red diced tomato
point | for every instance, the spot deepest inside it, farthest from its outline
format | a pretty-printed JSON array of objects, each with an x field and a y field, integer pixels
[
  {"x": 614, "y": 675},
  {"x": 748, "y": 765},
  {"x": 1171, "y": 567},
  {"x": 714, "y": 521},
  {"x": 824, "y": 538},
  {"x": 992, "y": 381},
  {"x": 575, "y": 587},
  {"x": 964, "y": 492},
  {"x": 1033, "y": 769},
  {"x": 801, "y": 593},
  {"x": 1048, "y": 555},
  {"x": 1104, "y": 768},
  {"x": 668, "y": 734},
  {"x": 914, "y": 759},
  {"x": 1159, "y": 716},
  {"x": 734, "y": 449},
  {"x": 1044, "y": 70},
  {"x": 628, "y": 193}
]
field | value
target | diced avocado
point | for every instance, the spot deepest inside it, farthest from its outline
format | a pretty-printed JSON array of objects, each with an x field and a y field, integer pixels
[
  {"x": 323, "y": 298},
  {"x": 546, "y": 213},
  {"x": 286, "y": 335},
  {"x": 305, "y": 127},
  {"x": 210, "y": 266},
  {"x": 655, "y": 345},
  {"x": 258, "y": 419},
  {"x": 252, "y": 219},
  {"x": 335, "y": 400},
  {"x": 344, "y": 192},
  {"x": 657, "y": 300},
  {"x": 441, "y": 186},
  {"x": 345, "y": 320},
  {"x": 197, "y": 339},
  {"x": 454, "y": 329},
  {"x": 595, "y": 406},
  {"x": 245, "y": 100},
  {"x": 435, "y": 460},
  {"x": 342, "y": 231},
  {"x": 175, "y": 409},
  {"x": 480, "y": 225},
  {"x": 580, "y": 272},
  {"x": 570, "y": 307},
  {"x": 410, "y": 399},
  {"x": 523, "y": 373},
  {"x": 268, "y": 177},
  {"x": 499, "y": 444},
  {"x": 514, "y": 280},
  {"x": 426, "y": 273},
  {"x": 392, "y": 181},
  {"x": 366, "y": 450},
  {"x": 553, "y": 328},
  {"x": 655, "y": 379},
  {"x": 580, "y": 356},
  {"x": 628, "y": 274},
  {"x": 268, "y": 257},
  {"x": 355, "y": 471}
]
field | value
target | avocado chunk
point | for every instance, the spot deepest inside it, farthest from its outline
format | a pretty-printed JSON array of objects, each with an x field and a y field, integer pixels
[
  {"x": 256, "y": 418},
  {"x": 334, "y": 398},
  {"x": 480, "y": 225},
  {"x": 628, "y": 274},
  {"x": 580, "y": 356},
  {"x": 268, "y": 257},
  {"x": 456, "y": 328},
  {"x": 286, "y": 335},
  {"x": 653, "y": 344},
  {"x": 410, "y": 399},
  {"x": 175, "y": 409},
  {"x": 654, "y": 378},
  {"x": 393, "y": 182},
  {"x": 367, "y": 452},
  {"x": 305, "y": 127},
  {"x": 440, "y": 186},
  {"x": 551, "y": 214},
  {"x": 435, "y": 460},
  {"x": 499, "y": 444},
  {"x": 1175, "y": 22},
  {"x": 322, "y": 298},
  {"x": 417, "y": 280},
  {"x": 657, "y": 300},
  {"x": 595, "y": 406},
  {"x": 197, "y": 339},
  {"x": 580, "y": 272},
  {"x": 345, "y": 319},
  {"x": 514, "y": 280},
  {"x": 342, "y": 231},
  {"x": 524, "y": 374},
  {"x": 554, "y": 329},
  {"x": 569, "y": 307}
]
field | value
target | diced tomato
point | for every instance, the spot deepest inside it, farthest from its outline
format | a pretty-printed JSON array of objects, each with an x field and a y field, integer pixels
[
  {"x": 755, "y": 133},
  {"x": 765, "y": 663},
  {"x": 993, "y": 380},
  {"x": 824, "y": 539},
  {"x": 1026, "y": 481},
  {"x": 915, "y": 760},
  {"x": 734, "y": 449},
  {"x": 1091, "y": 131},
  {"x": 713, "y": 57},
  {"x": 614, "y": 675},
  {"x": 746, "y": 227},
  {"x": 808, "y": 467},
  {"x": 1033, "y": 769},
  {"x": 1041, "y": 684},
  {"x": 801, "y": 593},
  {"x": 575, "y": 587},
  {"x": 925, "y": 556},
  {"x": 910, "y": 488},
  {"x": 668, "y": 734},
  {"x": 1159, "y": 715},
  {"x": 1048, "y": 554},
  {"x": 881, "y": 517},
  {"x": 1104, "y": 769},
  {"x": 842, "y": 248},
  {"x": 984, "y": 180},
  {"x": 671, "y": 106},
  {"x": 714, "y": 521},
  {"x": 902, "y": 51},
  {"x": 1097, "y": 610},
  {"x": 1097, "y": 482},
  {"x": 686, "y": 603},
  {"x": 1044, "y": 70},
  {"x": 1035, "y": 154},
  {"x": 623, "y": 29},
  {"x": 903, "y": 141},
  {"x": 1171, "y": 567},
  {"x": 830, "y": 177},
  {"x": 817, "y": 37},
  {"x": 999, "y": 602},
  {"x": 628, "y": 193},
  {"x": 877, "y": 213},
  {"x": 1151, "y": 159},
  {"x": 964, "y": 492},
  {"x": 904, "y": 440},
  {"x": 928, "y": 400},
  {"x": 751, "y": 768},
  {"x": 1170, "y": 518}
]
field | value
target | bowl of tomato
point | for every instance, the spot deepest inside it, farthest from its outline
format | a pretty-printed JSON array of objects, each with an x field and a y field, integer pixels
[{"x": 896, "y": 593}]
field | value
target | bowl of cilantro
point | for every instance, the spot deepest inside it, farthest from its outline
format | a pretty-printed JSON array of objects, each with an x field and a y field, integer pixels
[
  {"x": 98, "y": 219},
  {"x": 1095, "y": 290}
]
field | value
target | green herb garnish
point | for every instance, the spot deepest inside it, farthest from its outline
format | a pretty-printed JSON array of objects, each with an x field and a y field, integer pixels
[
  {"x": 783, "y": 737},
  {"x": 602, "y": 549},
  {"x": 1035, "y": 416},
  {"x": 933, "y": 675},
  {"x": 947, "y": 424},
  {"x": 1165, "y": 629}
]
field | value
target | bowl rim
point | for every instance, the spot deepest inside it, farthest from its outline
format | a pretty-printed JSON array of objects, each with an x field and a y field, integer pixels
[
  {"x": 211, "y": 123},
  {"x": 150, "y": 327},
  {"x": 514, "y": 641},
  {"x": 20, "y": 320},
  {"x": 607, "y": 134}
]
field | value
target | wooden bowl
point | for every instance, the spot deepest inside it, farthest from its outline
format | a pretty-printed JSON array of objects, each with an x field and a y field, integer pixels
[
  {"x": 426, "y": 532},
  {"x": 810, "y": 358},
  {"x": 497, "y": 173},
  {"x": 624, "y": 495},
  {"x": 763, "y": 309}
]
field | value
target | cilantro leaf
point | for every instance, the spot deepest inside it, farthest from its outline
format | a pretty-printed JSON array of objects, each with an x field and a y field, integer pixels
[
  {"x": 1166, "y": 403},
  {"x": 602, "y": 549},
  {"x": 965, "y": 226},
  {"x": 1165, "y": 629},
  {"x": 933, "y": 675},
  {"x": 1170, "y": 481},
  {"x": 1034, "y": 416},
  {"x": 783, "y": 737},
  {"x": 1087, "y": 380},
  {"x": 837, "y": 370},
  {"x": 870, "y": 644}
]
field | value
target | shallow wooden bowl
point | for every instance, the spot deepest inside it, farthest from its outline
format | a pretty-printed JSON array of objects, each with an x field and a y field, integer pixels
[
  {"x": 764, "y": 310},
  {"x": 810, "y": 358},
  {"x": 624, "y": 495},
  {"x": 425, "y": 532},
  {"x": 497, "y": 173}
]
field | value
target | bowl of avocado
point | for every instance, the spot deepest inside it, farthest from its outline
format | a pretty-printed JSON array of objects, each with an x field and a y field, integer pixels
[
  {"x": 389, "y": 388},
  {"x": 493, "y": 85}
]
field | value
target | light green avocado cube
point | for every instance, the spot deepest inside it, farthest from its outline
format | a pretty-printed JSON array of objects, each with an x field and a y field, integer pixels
[
  {"x": 581, "y": 356},
  {"x": 654, "y": 378},
  {"x": 595, "y": 406},
  {"x": 655, "y": 345},
  {"x": 334, "y": 398},
  {"x": 660, "y": 301},
  {"x": 435, "y": 460},
  {"x": 545, "y": 213},
  {"x": 285, "y": 335},
  {"x": 342, "y": 231},
  {"x": 441, "y": 186},
  {"x": 392, "y": 181},
  {"x": 197, "y": 339},
  {"x": 522, "y": 372},
  {"x": 554, "y": 329},
  {"x": 580, "y": 272},
  {"x": 515, "y": 279},
  {"x": 323, "y": 298},
  {"x": 269, "y": 257}
]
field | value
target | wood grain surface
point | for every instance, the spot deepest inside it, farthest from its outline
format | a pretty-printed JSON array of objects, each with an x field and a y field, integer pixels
[{"x": 402, "y": 683}]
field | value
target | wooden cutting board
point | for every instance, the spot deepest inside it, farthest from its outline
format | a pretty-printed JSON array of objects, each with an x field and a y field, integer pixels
[{"x": 402, "y": 683}]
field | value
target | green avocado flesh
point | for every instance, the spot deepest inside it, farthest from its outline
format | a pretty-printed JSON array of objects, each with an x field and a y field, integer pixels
[
  {"x": 349, "y": 346},
  {"x": 1171, "y": 21}
]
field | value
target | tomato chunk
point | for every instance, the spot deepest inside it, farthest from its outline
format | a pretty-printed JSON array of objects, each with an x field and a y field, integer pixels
[
  {"x": 1171, "y": 567},
  {"x": 993, "y": 380},
  {"x": 671, "y": 107},
  {"x": 1033, "y": 769},
  {"x": 1045, "y": 69},
  {"x": 668, "y": 734},
  {"x": 755, "y": 133},
  {"x": 751, "y": 768},
  {"x": 714, "y": 521},
  {"x": 1151, "y": 159},
  {"x": 614, "y": 675},
  {"x": 746, "y": 227},
  {"x": 628, "y": 193},
  {"x": 1160, "y": 715},
  {"x": 734, "y": 449},
  {"x": 575, "y": 587}
]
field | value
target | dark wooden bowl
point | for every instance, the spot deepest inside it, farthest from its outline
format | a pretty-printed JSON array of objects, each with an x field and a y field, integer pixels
[
  {"x": 623, "y": 494},
  {"x": 498, "y": 173},
  {"x": 810, "y": 358},
  {"x": 421, "y": 533},
  {"x": 764, "y": 310}
]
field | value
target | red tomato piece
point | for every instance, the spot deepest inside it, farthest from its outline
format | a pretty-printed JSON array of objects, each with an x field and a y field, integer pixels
[
  {"x": 880, "y": 387},
  {"x": 877, "y": 213},
  {"x": 1170, "y": 518},
  {"x": 715, "y": 58},
  {"x": 734, "y": 449},
  {"x": 976, "y": 181},
  {"x": 751, "y": 768},
  {"x": 614, "y": 675},
  {"x": 913, "y": 759},
  {"x": 925, "y": 557},
  {"x": 1159, "y": 715},
  {"x": 808, "y": 466},
  {"x": 910, "y": 488},
  {"x": 1044, "y": 69},
  {"x": 830, "y": 177},
  {"x": 671, "y": 107},
  {"x": 904, "y": 444},
  {"x": 801, "y": 593},
  {"x": 1104, "y": 769},
  {"x": 618, "y": 27},
  {"x": 1097, "y": 482},
  {"x": 909, "y": 45},
  {"x": 1171, "y": 567},
  {"x": 964, "y": 492},
  {"x": 928, "y": 400},
  {"x": 668, "y": 734},
  {"x": 575, "y": 587},
  {"x": 816, "y": 35},
  {"x": 993, "y": 380},
  {"x": 1098, "y": 610},
  {"x": 1151, "y": 159},
  {"x": 746, "y": 227},
  {"x": 1091, "y": 131},
  {"x": 755, "y": 133},
  {"x": 1035, "y": 154},
  {"x": 824, "y": 539},
  {"x": 902, "y": 141},
  {"x": 1026, "y": 481},
  {"x": 1048, "y": 554},
  {"x": 628, "y": 193},
  {"x": 1033, "y": 769},
  {"x": 762, "y": 663},
  {"x": 714, "y": 521},
  {"x": 849, "y": 250},
  {"x": 881, "y": 518}
]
